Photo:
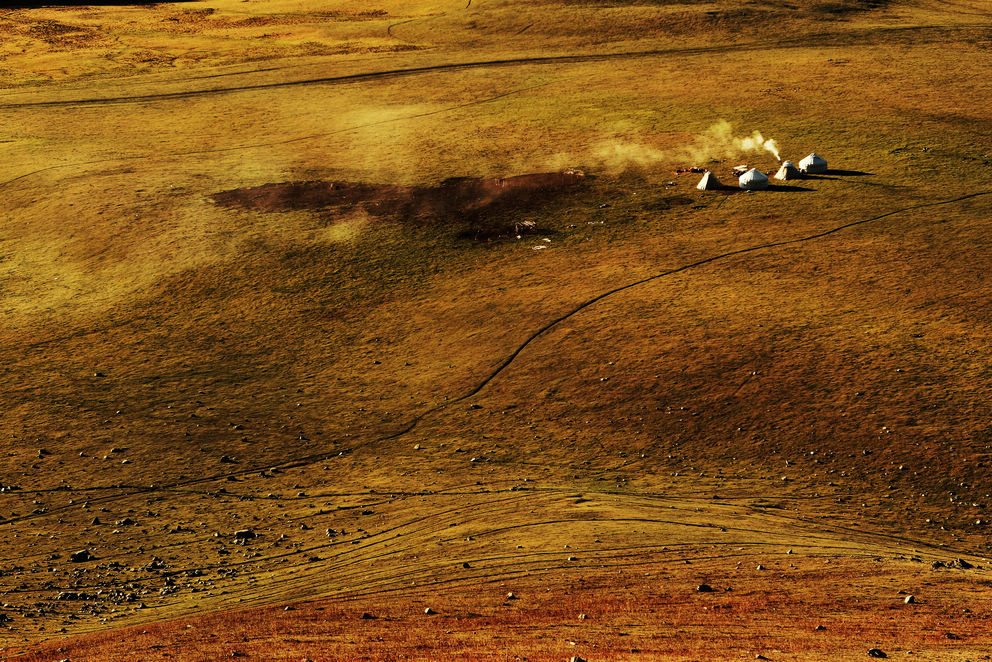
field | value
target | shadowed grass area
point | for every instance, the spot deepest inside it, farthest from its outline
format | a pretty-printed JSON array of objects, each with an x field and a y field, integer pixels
[{"x": 323, "y": 274}]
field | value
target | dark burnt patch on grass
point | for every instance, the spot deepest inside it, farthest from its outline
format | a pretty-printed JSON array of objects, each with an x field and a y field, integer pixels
[{"x": 478, "y": 206}]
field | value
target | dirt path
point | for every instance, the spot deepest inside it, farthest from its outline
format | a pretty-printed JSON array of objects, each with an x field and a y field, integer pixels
[{"x": 821, "y": 39}]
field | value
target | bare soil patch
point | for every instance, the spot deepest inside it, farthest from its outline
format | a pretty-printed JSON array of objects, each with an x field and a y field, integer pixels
[{"x": 477, "y": 201}]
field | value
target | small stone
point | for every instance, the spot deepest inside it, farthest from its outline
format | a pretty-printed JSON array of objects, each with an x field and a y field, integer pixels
[
  {"x": 582, "y": 617},
  {"x": 819, "y": 628},
  {"x": 909, "y": 599},
  {"x": 704, "y": 588},
  {"x": 511, "y": 596},
  {"x": 429, "y": 611},
  {"x": 760, "y": 567},
  {"x": 367, "y": 616},
  {"x": 876, "y": 652},
  {"x": 244, "y": 534},
  {"x": 81, "y": 556}
]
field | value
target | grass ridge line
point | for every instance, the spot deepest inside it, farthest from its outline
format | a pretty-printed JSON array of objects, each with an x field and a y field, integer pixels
[{"x": 408, "y": 427}]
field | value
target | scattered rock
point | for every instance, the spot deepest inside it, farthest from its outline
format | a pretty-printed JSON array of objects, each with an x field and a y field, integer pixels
[
  {"x": 576, "y": 658},
  {"x": 759, "y": 656},
  {"x": 429, "y": 611},
  {"x": 760, "y": 567},
  {"x": 961, "y": 563},
  {"x": 819, "y": 628},
  {"x": 909, "y": 600},
  {"x": 367, "y": 616},
  {"x": 876, "y": 652},
  {"x": 937, "y": 564},
  {"x": 244, "y": 534},
  {"x": 951, "y": 635},
  {"x": 582, "y": 617},
  {"x": 704, "y": 588},
  {"x": 81, "y": 556},
  {"x": 466, "y": 565},
  {"x": 573, "y": 558},
  {"x": 511, "y": 596}
]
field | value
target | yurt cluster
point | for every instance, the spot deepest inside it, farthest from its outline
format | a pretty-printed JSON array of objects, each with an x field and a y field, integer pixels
[{"x": 754, "y": 179}]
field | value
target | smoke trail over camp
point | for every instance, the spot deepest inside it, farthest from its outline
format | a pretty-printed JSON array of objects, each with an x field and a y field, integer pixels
[
  {"x": 719, "y": 142},
  {"x": 716, "y": 143}
]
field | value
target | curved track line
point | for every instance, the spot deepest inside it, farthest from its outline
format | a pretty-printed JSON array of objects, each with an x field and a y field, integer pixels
[
  {"x": 287, "y": 141},
  {"x": 318, "y": 457},
  {"x": 804, "y": 41},
  {"x": 692, "y": 265}
]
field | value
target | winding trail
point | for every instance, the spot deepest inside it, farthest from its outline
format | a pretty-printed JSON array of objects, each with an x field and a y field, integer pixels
[
  {"x": 503, "y": 365},
  {"x": 823, "y": 40}
]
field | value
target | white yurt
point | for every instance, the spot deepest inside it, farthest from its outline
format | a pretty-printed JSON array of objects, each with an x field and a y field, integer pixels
[
  {"x": 709, "y": 182},
  {"x": 753, "y": 180},
  {"x": 788, "y": 170},
  {"x": 813, "y": 163}
]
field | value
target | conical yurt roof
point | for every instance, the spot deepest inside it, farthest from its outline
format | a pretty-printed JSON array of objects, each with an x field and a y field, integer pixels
[
  {"x": 709, "y": 182},
  {"x": 788, "y": 170},
  {"x": 753, "y": 180},
  {"x": 813, "y": 163}
]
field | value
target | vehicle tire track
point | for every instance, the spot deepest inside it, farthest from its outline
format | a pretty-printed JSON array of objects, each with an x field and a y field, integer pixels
[
  {"x": 319, "y": 457},
  {"x": 821, "y": 40},
  {"x": 287, "y": 141},
  {"x": 692, "y": 265}
]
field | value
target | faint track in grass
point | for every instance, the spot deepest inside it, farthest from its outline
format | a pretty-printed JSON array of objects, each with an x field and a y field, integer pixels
[
  {"x": 318, "y": 457},
  {"x": 692, "y": 265},
  {"x": 818, "y": 40},
  {"x": 287, "y": 141}
]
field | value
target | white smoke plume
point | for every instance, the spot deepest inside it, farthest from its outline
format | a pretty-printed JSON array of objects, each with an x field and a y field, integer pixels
[
  {"x": 718, "y": 142},
  {"x": 756, "y": 142}
]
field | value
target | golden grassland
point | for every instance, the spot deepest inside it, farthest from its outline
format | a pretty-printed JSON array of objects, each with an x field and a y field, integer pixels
[{"x": 795, "y": 378}]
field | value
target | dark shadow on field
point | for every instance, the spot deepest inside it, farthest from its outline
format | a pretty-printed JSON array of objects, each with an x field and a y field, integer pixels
[
  {"x": 847, "y": 173},
  {"x": 832, "y": 173},
  {"x": 28, "y": 4},
  {"x": 787, "y": 188}
]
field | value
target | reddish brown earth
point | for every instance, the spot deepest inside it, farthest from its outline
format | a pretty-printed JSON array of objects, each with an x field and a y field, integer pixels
[{"x": 454, "y": 199}]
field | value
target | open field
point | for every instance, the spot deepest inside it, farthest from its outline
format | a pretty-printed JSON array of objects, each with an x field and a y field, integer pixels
[{"x": 278, "y": 266}]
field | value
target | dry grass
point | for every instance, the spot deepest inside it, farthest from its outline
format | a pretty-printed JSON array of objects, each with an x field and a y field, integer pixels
[{"x": 263, "y": 369}]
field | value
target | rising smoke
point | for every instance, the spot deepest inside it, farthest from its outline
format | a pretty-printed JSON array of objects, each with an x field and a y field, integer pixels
[
  {"x": 715, "y": 143},
  {"x": 719, "y": 142}
]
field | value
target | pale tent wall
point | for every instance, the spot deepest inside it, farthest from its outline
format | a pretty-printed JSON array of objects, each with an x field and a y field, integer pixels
[
  {"x": 813, "y": 163},
  {"x": 788, "y": 171},
  {"x": 709, "y": 182},
  {"x": 753, "y": 180}
]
